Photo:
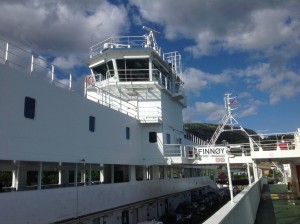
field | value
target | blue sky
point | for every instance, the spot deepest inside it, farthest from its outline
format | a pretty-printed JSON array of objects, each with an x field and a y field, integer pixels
[{"x": 250, "y": 48}]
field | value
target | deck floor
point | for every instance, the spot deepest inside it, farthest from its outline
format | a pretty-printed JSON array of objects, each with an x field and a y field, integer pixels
[{"x": 277, "y": 205}]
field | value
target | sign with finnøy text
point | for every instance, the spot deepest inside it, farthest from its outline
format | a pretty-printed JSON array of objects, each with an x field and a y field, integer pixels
[{"x": 214, "y": 150}]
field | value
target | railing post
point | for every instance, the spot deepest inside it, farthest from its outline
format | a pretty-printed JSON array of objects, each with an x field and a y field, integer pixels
[
  {"x": 229, "y": 178},
  {"x": 52, "y": 73},
  {"x": 6, "y": 52},
  {"x": 70, "y": 84},
  {"x": 31, "y": 66}
]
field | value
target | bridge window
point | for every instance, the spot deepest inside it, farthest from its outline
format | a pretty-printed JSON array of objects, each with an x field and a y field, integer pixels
[
  {"x": 29, "y": 107},
  {"x": 162, "y": 75},
  {"x": 133, "y": 69},
  {"x": 104, "y": 71}
]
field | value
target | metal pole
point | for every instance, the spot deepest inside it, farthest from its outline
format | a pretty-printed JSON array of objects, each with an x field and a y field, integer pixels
[
  {"x": 31, "y": 67},
  {"x": 6, "y": 52},
  {"x": 255, "y": 171},
  {"x": 249, "y": 176},
  {"x": 59, "y": 177},
  {"x": 90, "y": 175},
  {"x": 70, "y": 84},
  {"x": 52, "y": 73},
  {"x": 75, "y": 175},
  {"x": 40, "y": 176},
  {"x": 229, "y": 178}
]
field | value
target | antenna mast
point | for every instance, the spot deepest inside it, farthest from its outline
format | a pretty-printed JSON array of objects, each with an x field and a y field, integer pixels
[
  {"x": 150, "y": 39},
  {"x": 228, "y": 119}
]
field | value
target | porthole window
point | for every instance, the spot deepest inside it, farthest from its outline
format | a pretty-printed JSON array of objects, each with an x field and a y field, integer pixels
[
  {"x": 92, "y": 121},
  {"x": 127, "y": 133},
  {"x": 29, "y": 107}
]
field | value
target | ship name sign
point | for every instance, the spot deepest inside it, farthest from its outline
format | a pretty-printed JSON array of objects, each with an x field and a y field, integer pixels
[{"x": 217, "y": 151}]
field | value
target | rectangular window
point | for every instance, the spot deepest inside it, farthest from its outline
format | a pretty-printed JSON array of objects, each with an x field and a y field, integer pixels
[
  {"x": 178, "y": 141},
  {"x": 139, "y": 173},
  {"x": 29, "y": 107},
  {"x": 92, "y": 124},
  {"x": 168, "y": 138},
  {"x": 161, "y": 172},
  {"x": 152, "y": 137},
  {"x": 133, "y": 69},
  {"x": 127, "y": 133}
]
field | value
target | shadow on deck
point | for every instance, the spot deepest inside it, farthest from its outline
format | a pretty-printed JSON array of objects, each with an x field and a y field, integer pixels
[{"x": 277, "y": 205}]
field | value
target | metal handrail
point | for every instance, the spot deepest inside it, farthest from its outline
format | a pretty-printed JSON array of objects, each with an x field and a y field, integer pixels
[
  {"x": 118, "y": 42},
  {"x": 26, "y": 61}
]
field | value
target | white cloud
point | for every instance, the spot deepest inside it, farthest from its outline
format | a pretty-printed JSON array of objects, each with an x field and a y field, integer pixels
[
  {"x": 67, "y": 62},
  {"x": 270, "y": 27},
  {"x": 278, "y": 84},
  {"x": 211, "y": 111},
  {"x": 249, "y": 109},
  {"x": 61, "y": 26},
  {"x": 196, "y": 80},
  {"x": 269, "y": 31}
]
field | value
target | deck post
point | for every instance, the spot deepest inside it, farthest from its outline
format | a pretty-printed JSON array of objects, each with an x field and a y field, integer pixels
[
  {"x": 75, "y": 174},
  {"x": 132, "y": 174},
  {"x": 40, "y": 176},
  {"x": 255, "y": 171},
  {"x": 15, "y": 177},
  {"x": 112, "y": 174},
  {"x": 59, "y": 177},
  {"x": 229, "y": 177},
  {"x": 101, "y": 173},
  {"x": 83, "y": 176},
  {"x": 90, "y": 175},
  {"x": 249, "y": 176}
]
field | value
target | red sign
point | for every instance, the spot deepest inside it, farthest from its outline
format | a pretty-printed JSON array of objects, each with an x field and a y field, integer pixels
[{"x": 220, "y": 159}]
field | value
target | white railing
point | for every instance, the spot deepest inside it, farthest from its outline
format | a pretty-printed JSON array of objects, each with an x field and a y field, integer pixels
[
  {"x": 194, "y": 138},
  {"x": 29, "y": 63},
  {"x": 107, "y": 99},
  {"x": 118, "y": 42},
  {"x": 275, "y": 141},
  {"x": 174, "y": 60},
  {"x": 182, "y": 151}
]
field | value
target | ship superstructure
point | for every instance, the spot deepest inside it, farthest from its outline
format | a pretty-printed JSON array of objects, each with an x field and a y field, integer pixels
[{"x": 118, "y": 153}]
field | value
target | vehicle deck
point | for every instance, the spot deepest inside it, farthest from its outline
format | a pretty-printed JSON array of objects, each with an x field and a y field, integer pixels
[{"x": 278, "y": 205}]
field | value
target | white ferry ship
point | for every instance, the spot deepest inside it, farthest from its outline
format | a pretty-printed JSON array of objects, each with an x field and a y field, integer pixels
[{"x": 116, "y": 153}]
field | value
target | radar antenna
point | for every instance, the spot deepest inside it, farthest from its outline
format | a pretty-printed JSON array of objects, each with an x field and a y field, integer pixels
[{"x": 150, "y": 39}]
